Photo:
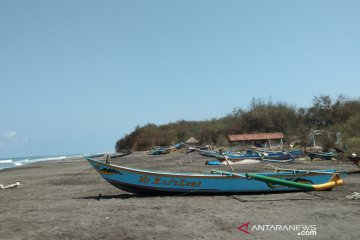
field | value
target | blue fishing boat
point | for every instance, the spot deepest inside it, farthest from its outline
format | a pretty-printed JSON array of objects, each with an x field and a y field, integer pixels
[
  {"x": 159, "y": 151},
  {"x": 209, "y": 153},
  {"x": 179, "y": 145},
  {"x": 213, "y": 163},
  {"x": 283, "y": 155},
  {"x": 216, "y": 182},
  {"x": 280, "y": 157},
  {"x": 166, "y": 150},
  {"x": 241, "y": 156},
  {"x": 321, "y": 155},
  {"x": 121, "y": 154}
]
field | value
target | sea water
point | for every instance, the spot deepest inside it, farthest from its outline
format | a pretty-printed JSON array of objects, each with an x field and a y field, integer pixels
[{"x": 19, "y": 161}]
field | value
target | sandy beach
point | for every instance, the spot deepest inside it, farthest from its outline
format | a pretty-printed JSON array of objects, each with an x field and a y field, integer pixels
[{"x": 59, "y": 200}]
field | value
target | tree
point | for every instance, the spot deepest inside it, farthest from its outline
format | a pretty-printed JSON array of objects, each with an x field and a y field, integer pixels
[{"x": 341, "y": 114}]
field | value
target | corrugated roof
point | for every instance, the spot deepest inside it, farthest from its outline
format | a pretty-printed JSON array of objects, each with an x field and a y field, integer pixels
[{"x": 255, "y": 136}]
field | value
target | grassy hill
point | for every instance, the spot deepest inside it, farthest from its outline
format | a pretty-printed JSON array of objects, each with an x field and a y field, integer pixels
[{"x": 331, "y": 115}]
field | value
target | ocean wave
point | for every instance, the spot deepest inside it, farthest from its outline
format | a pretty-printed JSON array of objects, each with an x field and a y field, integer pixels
[
  {"x": 6, "y": 161},
  {"x": 49, "y": 158},
  {"x": 19, "y": 161}
]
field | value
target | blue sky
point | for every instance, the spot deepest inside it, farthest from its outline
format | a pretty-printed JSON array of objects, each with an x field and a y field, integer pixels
[{"x": 75, "y": 76}]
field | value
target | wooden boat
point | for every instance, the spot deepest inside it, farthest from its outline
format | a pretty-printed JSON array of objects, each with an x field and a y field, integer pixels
[
  {"x": 190, "y": 149},
  {"x": 279, "y": 157},
  {"x": 159, "y": 151},
  {"x": 283, "y": 155},
  {"x": 262, "y": 158},
  {"x": 121, "y": 154},
  {"x": 209, "y": 153},
  {"x": 241, "y": 156},
  {"x": 230, "y": 155},
  {"x": 166, "y": 150},
  {"x": 179, "y": 145},
  {"x": 222, "y": 163},
  {"x": 216, "y": 182},
  {"x": 321, "y": 155},
  {"x": 284, "y": 159}
]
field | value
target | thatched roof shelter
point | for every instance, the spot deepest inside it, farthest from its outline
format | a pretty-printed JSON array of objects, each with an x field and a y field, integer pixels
[{"x": 192, "y": 140}]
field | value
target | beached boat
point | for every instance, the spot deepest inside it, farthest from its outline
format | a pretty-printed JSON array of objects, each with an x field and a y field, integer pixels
[
  {"x": 283, "y": 155},
  {"x": 179, "y": 145},
  {"x": 209, "y": 153},
  {"x": 234, "y": 160},
  {"x": 228, "y": 162},
  {"x": 216, "y": 182},
  {"x": 121, "y": 154},
  {"x": 280, "y": 157},
  {"x": 159, "y": 151},
  {"x": 166, "y": 150},
  {"x": 321, "y": 155},
  {"x": 284, "y": 159},
  {"x": 197, "y": 149},
  {"x": 241, "y": 156}
]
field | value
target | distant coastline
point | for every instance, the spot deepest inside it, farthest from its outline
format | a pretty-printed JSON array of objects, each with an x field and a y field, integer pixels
[{"x": 12, "y": 162}]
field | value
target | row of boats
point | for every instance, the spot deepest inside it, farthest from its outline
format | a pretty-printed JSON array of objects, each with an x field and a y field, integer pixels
[
  {"x": 258, "y": 154},
  {"x": 270, "y": 156},
  {"x": 263, "y": 155},
  {"x": 274, "y": 156}
]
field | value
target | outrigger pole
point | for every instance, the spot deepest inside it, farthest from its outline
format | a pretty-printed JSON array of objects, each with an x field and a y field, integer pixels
[
  {"x": 334, "y": 181},
  {"x": 231, "y": 168}
]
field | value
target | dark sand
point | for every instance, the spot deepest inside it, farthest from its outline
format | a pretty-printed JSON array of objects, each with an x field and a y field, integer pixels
[{"x": 58, "y": 201}]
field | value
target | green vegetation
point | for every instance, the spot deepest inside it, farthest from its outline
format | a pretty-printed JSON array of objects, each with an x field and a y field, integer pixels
[{"x": 340, "y": 116}]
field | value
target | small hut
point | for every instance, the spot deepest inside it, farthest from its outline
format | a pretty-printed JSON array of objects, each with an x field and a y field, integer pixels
[
  {"x": 192, "y": 141},
  {"x": 259, "y": 139}
]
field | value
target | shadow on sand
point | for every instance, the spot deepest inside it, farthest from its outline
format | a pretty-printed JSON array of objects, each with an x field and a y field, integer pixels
[
  {"x": 119, "y": 196},
  {"x": 239, "y": 197}
]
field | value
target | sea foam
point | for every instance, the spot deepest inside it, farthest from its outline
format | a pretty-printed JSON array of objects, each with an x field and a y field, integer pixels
[{"x": 6, "y": 161}]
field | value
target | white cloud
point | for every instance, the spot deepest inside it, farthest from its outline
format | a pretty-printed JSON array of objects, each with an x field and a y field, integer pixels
[
  {"x": 14, "y": 139},
  {"x": 10, "y": 135}
]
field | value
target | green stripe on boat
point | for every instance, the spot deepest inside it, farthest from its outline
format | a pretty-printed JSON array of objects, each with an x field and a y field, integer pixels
[{"x": 280, "y": 181}]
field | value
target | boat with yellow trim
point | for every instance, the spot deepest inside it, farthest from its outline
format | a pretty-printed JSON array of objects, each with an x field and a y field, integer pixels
[{"x": 216, "y": 182}]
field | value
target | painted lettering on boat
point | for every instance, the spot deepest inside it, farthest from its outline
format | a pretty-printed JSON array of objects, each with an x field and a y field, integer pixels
[{"x": 169, "y": 182}]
